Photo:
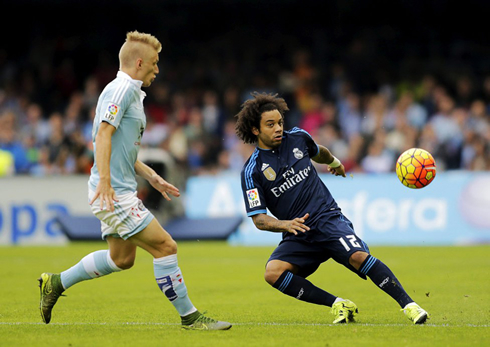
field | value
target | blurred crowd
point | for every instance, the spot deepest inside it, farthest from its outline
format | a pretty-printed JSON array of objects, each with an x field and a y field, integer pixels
[{"x": 47, "y": 110}]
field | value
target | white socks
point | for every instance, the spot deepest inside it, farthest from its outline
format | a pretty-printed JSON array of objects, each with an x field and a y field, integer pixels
[
  {"x": 169, "y": 279},
  {"x": 93, "y": 265}
]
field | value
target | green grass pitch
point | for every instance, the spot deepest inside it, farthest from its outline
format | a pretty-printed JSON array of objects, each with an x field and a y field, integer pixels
[{"x": 127, "y": 309}]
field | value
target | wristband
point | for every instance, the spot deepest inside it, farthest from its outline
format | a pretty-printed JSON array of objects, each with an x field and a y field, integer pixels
[{"x": 335, "y": 163}]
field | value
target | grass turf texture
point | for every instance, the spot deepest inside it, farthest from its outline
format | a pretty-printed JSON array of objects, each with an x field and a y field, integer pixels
[{"x": 127, "y": 309}]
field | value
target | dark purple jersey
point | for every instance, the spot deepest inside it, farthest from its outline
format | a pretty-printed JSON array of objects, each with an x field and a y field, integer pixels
[{"x": 284, "y": 180}]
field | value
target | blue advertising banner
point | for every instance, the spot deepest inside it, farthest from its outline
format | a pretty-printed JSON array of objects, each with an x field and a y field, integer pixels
[
  {"x": 453, "y": 210},
  {"x": 29, "y": 205}
]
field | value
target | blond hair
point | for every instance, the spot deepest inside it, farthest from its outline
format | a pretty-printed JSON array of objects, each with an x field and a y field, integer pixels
[
  {"x": 136, "y": 46},
  {"x": 136, "y": 36}
]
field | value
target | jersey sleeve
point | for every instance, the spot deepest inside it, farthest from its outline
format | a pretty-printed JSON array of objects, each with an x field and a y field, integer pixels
[
  {"x": 313, "y": 148},
  {"x": 253, "y": 194},
  {"x": 114, "y": 105}
]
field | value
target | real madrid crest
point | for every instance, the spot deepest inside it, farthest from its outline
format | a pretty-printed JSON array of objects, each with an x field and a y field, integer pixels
[
  {"x": 297, "y": 153},
  {"x": 269, "y": 173}
]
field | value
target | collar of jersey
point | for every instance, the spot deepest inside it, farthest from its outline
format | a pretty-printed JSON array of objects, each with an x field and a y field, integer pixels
[
  {"x": 137, "y": 83},
  {"x": 269, "y": 149},
  {"x": 124, "y": 75}
]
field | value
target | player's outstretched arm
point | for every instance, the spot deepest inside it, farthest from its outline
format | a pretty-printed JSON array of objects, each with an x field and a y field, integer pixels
[
  {"x": 266, "y": 222},
  {"x": 324, "y": 156},
  {"x": 156, "y": 180}
]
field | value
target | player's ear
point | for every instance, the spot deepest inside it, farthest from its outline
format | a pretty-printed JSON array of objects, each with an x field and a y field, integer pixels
[
  {"x": 139, "y": 63},
  {"x": 255, "y": 131}
]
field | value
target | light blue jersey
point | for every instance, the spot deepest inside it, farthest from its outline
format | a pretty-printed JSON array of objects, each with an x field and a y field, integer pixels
[{"x": 121, "y": 105}]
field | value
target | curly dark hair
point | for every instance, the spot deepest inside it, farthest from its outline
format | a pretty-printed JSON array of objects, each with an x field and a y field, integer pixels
[{"x": 251, "y": 113}]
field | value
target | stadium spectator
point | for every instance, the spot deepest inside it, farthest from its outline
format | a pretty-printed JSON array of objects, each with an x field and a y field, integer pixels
[
  {"x": 57, "y": 146},
  {"x": 312, "y": 117},
  {"x": 378, "y": 159},
  {"x": 35, "y": 125},
  {"x": 212, "y": 113},
  {"x": 10, "y": 142},
  {"x": 376, "y": 115},
  {"x": 6, "y": 163},
  {"x": 350, "y": 115}
]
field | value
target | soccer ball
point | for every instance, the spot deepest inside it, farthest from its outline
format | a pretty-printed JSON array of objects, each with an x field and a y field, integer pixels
[{"x": 416, "y": 168}]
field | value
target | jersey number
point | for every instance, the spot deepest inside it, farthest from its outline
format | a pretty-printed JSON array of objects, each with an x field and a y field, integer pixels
[{"x": 353, "y": 241}]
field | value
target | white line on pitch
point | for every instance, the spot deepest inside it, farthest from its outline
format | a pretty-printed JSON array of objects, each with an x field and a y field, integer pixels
[{"x": 257, "y": 324}]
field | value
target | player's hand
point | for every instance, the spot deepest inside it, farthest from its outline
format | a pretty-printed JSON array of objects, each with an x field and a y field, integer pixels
[
  {"x": 107, "y": 196},
  {"x": 298, "y": 225},
  {"x": 338, "y": 171},
  {"x": 164, "y": 187}
]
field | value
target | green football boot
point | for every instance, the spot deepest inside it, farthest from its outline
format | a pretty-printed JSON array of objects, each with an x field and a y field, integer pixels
[
  {"x": 344, "y": 311},
  {"x": 51, "y": 289},
  {"x": 203, "y": 323},
  {"x": 415, "y": 313}
]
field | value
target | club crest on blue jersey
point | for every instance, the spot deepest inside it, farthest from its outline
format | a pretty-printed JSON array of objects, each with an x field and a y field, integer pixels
[{"x": 297, "y": 153}]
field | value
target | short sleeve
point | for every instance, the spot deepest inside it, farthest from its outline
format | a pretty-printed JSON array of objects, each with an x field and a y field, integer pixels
[
  {"x": 114, "y": 105},
  {"x": 253, "y": 194}
]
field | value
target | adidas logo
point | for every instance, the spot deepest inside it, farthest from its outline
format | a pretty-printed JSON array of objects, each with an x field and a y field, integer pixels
[{"x": 264, "y": 166}]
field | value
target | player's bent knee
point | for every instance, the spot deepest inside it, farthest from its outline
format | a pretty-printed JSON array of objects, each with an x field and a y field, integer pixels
[
  {"x": 357, "y": 258},
  {"x": 273, "y": 271},
  {"x": 124, "y": 263},
  {"x": 168, "y": 246},
  {"x": 271, "y": 277},
  {"x": 172, "y": 247}
]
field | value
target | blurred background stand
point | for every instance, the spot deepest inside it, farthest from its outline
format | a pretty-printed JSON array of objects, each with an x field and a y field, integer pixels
[
  {"x": 87, "y": 228},
  {"x": 164, "y": 165}
]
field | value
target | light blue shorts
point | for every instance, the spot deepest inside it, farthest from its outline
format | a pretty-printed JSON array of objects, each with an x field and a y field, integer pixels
[{"x": 130, "y": 216}]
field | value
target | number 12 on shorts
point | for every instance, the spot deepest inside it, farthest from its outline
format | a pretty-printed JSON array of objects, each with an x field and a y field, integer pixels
[{"x": 353, "y": 241}]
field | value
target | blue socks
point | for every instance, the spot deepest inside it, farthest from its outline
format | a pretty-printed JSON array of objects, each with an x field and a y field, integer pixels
[
  {"x": 171, "y": 283},
  {"x": 382, "y": 276},
  {"x": 94, "y": 265},
  {"x": 302, "y": 289}
]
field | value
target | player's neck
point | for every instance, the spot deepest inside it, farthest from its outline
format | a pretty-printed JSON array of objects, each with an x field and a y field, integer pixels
[
  {"x": 265, "y": 147},
  {"x": 130, "y": 73}
]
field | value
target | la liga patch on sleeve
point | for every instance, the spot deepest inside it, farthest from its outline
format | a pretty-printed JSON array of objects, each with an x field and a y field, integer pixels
[
  {"x": 111, "y": 112},
  {"x": 253, "y": 198}
]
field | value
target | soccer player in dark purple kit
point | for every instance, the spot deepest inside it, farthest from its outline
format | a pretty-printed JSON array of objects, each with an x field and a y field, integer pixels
[{"x": 279, "y": 176}]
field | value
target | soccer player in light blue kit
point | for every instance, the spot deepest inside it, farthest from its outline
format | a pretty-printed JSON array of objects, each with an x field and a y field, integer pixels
[{"x": 125, "y": 222}]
